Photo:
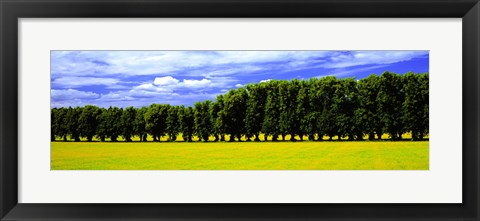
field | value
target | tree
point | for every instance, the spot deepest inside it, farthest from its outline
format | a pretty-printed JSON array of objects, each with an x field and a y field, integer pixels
[
  {"x": 218, "y": 127},
  {"x": 390, "y": 100},
  {"x": 311, "y": 108},
  {"x": 203, "y": 125},
  {"x": 272, "y": 111},
  {"x": 156, "y": 118},
  {"x": 72, "y": 122},
  {"x": 52, "y": 124},
  {"x": 366, "y": 114},
  {"x": 345, "y": 102},
  {"x": 113, "y": 123},
  {"x": 59, "y": 124},
  {"x": 414, "y": 104},
  {"x": 289, "y": 121},
  {"x": 139, "y": 124},
  {"x": 173, "y": 123},
  {"x": 328, "y": 116},
  {"x": 88, "y": 122},
  {"x": 255, "y": 112},
  {"x": 390, "y": 103},
  {"x": 424, "y": 85},
  {"x": 109, "y": 123},
  {"x": 283, "y": 121},
  {"x": 187, "y": 122},
  {"x": 102, "y": 127},
  {"x": 302, "y": 110},
  {"x": 235, "y": 102},
  {"x": 127, "y": 123}
]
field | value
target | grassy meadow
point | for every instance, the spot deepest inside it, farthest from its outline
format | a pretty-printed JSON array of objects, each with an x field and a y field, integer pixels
[{"x": 339, "y": 155}]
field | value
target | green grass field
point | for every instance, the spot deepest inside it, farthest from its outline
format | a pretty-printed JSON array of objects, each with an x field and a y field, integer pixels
[{"x": 363, "y": 155}]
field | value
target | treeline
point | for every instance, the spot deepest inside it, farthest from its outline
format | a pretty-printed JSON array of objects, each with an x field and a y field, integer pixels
[{"x": 315, "y": 108}]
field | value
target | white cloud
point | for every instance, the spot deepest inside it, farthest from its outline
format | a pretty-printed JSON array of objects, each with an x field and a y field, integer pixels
[
  {"x": 67, "y": 103},
  {"x": 131, "y": 63},
  {"x": 115, "y": 96},
  {"x": 144, "y": 93},
  {"x": 75, "y": 82},
  {"x": 208, "y": 64},
  {"x": 197, "y": 83},
  {"x": 117, "y": 87},
  {"x": 166, "y": 81},
  {"x": 263, "y": 81},
  {"x": 170, "y": 84},
  {"x": 241, "y": 57},
  {"x": 72, "y": 94},
  {"x": 152, "y": 88},
  {"x": 358, "y": 58},
  {"x": 239, "y": 85},
  {"x": 343, "y": 72}
]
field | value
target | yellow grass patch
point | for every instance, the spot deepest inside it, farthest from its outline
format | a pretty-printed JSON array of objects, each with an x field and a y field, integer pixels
[{"x": 377, "y": 155}]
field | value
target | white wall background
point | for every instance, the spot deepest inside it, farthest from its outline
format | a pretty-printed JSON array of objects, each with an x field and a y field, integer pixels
[{"x": 441, "y": 184}]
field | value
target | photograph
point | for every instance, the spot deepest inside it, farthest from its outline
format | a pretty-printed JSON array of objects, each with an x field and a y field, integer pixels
[
  {"x": 223, "y": 110},
  {"x": 239, "y": 110}
]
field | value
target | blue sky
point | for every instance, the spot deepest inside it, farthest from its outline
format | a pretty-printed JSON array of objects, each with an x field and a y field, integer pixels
[{"x": 139, "y": 78}]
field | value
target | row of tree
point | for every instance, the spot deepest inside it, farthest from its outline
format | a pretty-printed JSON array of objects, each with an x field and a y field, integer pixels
[{"x": 348, "y": 108}]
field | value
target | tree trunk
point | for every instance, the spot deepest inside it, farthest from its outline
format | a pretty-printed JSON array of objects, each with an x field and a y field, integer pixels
[
  {"x": 144, "y": 137},
  {"x": 292, "y": 137},
  {"x": 257, "y": 137},
  {"x": 379, "y": 135},
  {"x": 64, "y": 137},
  {"x": 275, "y": 137},
  {"x": 222, "y": 137},
  {"x": 77, "y": 139},
  {"x": 393, "y": 136},
  {"x": 360, "y": 137},
  {"x": 371, "y": 136},
  {"x": 89, "y": 138},
  {"x": 311, "y": 137},
  {"x": 102, "y": 138},
  {"x": 232, "y": 138},
  {"x": 414, "y": 135},
  {"x": 350, "y": 137}
]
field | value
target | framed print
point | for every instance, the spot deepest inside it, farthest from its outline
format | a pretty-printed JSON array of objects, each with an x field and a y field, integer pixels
[
  {"x": 239, "y": 110},
  {"x": 236, "y": 103}
]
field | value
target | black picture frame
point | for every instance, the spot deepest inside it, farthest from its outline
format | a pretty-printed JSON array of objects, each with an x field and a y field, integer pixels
[{"x": 12, "y": 10}]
